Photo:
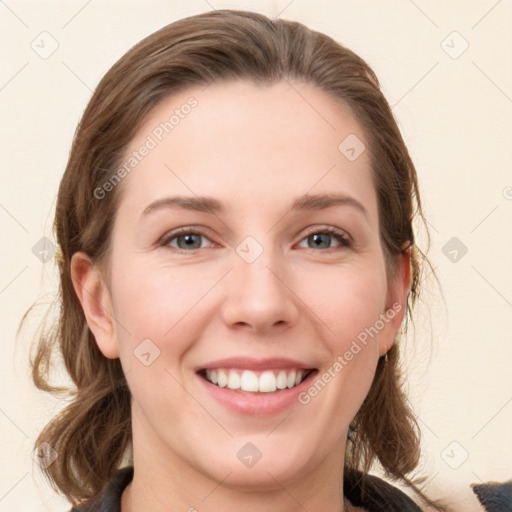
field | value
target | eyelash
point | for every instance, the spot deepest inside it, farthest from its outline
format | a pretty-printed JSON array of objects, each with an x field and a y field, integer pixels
[{"x": 345, "y": 242}]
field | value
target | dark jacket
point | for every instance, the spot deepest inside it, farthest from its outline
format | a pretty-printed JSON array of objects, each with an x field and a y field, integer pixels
[{"x": 377, "y": 497}]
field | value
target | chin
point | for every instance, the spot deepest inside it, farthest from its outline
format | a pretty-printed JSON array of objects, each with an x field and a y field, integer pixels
[{"x": 256, "y": 469}]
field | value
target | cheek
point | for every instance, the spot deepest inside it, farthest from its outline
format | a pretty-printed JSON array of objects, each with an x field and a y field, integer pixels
[
  {"x": 350, "y": 310},
  {"x": 165, "y": 312},
  {"x": 348, "y": 299},
  {"x": 349, "y": 302},
  {"x": 153, "y": 301},
  {"x": 159, "y": 318}
]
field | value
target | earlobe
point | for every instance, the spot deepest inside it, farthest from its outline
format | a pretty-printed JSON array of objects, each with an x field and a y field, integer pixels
[
  {"x": 94, "y": 296},
  {"x": 396, "y": 304}
]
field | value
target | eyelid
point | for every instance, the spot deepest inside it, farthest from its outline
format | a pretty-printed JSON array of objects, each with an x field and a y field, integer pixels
[
  {"x": 185, "y": 230},
  {"x": 344, "y": 238},
  {"x": 326, "y": 228}
]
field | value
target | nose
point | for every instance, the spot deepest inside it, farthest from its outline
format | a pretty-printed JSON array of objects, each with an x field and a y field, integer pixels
[{"x": 259, "y": 296}]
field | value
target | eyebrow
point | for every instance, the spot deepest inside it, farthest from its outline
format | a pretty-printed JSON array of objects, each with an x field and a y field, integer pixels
[{"x": 213, "y": 206}]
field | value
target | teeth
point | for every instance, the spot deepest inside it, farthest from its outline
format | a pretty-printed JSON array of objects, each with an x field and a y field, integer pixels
[
  {"x": 249, "y": 381},
  {"x": 281, "y": 380},
  {"x": 233, "y": 380},
  {"x": 290, "y": 381},
  {"x": 222, "y": 378},
  {"x": 268, "y": 382},
  {"x": 246, "y": 380}
]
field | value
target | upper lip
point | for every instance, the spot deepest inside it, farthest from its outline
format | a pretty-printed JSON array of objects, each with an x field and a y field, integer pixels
[{"x": 250, "y": 363}]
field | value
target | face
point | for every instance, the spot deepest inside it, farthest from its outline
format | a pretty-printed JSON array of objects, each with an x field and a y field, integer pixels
[{"x": 262, "y": 275}]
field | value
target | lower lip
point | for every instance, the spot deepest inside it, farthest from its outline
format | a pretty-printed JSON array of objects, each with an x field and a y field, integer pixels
[{"x": 258, "y": 403}]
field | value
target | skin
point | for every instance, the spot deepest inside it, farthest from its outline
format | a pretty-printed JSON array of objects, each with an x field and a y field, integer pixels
[{"x": 255, "y": 149}]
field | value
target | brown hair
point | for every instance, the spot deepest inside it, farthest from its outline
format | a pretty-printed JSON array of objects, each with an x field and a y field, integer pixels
[{"x": 92, "y": 435}]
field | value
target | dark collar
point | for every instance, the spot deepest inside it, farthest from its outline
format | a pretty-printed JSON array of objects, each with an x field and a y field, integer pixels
[
  {"x": 109, "y": 500},
  {"x": 374, "y": 494}
]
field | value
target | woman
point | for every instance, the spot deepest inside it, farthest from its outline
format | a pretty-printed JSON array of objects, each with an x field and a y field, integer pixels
[{"x": 237, "y": 261}]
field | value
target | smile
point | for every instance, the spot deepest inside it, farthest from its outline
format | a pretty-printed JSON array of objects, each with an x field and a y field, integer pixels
[{"x": 267, "y": 381}]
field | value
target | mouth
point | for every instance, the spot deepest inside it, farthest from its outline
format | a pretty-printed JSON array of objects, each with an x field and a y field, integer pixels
[{"x": 251, "y": 382}]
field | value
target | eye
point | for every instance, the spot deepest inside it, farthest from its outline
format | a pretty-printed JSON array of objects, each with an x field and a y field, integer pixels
[
  {"x": 322, "y": 237},
  {"x": 186, "y": 239}
]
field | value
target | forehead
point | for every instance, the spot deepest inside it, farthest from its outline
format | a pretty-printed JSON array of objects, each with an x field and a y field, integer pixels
[{"x": 246, "y": 143}]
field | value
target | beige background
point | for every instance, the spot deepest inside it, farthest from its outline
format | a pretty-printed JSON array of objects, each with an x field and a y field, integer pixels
[{"x": 454, "y": 109}]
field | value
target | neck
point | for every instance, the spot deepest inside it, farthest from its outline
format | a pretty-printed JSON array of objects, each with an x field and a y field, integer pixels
[{"x": 163, "y": 480}]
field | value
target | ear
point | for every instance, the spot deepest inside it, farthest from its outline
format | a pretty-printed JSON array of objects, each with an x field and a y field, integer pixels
[
  {"x": 94, "y": 296},
  {"x": 396, "y": 301}
]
